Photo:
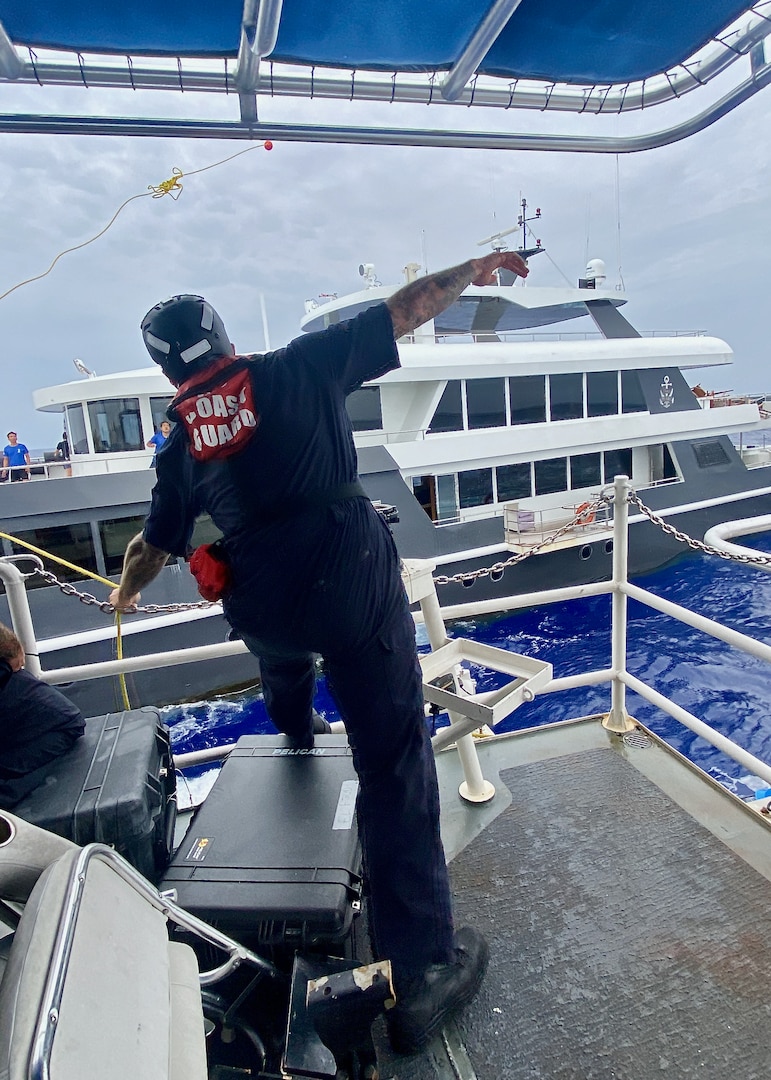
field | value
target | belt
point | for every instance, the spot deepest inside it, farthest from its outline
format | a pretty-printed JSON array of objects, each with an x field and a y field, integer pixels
[{"x": 317, "y": 500}]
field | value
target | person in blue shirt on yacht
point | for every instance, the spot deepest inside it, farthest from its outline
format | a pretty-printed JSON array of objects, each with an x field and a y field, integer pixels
[
  {"x": 15, "y": 456},
  {"x": 264, "y": 444},
  {"x": 158, "y": 439}
]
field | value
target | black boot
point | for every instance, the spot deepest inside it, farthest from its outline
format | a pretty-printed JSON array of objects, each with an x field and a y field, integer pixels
[
  {"x": 428, "y": 1001},
  {"x": 320, "y": 727}
]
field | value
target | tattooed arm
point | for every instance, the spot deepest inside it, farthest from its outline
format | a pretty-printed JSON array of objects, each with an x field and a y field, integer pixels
[
  {"x": 141, "y": 564},
  {"x": 426, "y": 297}
]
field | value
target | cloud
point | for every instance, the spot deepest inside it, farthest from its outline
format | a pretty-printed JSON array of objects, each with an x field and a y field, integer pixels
[{"x": 296, "y": 222}]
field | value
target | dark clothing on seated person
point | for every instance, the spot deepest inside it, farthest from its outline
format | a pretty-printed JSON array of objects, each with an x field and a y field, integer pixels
[{"x": 37, "y": 725}]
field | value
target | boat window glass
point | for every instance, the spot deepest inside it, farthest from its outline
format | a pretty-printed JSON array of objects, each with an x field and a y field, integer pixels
[
  {"x": 670, "y": 469},
  {"x": 449, "y": 411},
  {"x": 158, "y": 407},
  {"x": 567, "y": 396},
  {"x": 115, "y": 425},
  {"x": 551, "y": 476},
  {"x": 363, "y": 407},
  {"x": 585, "y": 470},
  {"x": 661, "y": 464},
  {"x": 601, "y": 393},
  {"x": 71, "y": 542},
  {"x": 486, "y": 402},
  {"x": 446, "y": 498},
  {"x": 513, "y": 481},
  {"x": 632, "y": 397},
  {"x": 76, "y": 425},
  {"x": 115, "y": 535},
  {"x": 424, "y": 490},
  {"x": 475, "y": 487},
  {"x": 617, "y": 463},
  {"x": 528, "y": 399}
]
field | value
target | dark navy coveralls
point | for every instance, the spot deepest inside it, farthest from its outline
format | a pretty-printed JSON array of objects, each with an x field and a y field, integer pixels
[{"x": 327, "y": 581}]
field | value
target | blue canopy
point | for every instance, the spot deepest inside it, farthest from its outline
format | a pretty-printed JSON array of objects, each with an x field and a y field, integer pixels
[
  {"x": 598, "y": 56},
  {"x": 560, "y": 40}
]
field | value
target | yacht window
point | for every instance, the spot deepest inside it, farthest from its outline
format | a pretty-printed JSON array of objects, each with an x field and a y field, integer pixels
[
  {"x": 513, "y": 481},
  {"x": 660, "y": 463},
  {"x": 601, "y": 393},
  {"x": 527, "y": 394},
  {"x": 567, "y": 396},
  {"x": 424, "y": 490},
  {"x": 446, "y": 498},
  {"x": 363, "y": 407},
  {"x": 475, "y": 487},
  {"x": 449, "y": 411},
  {"x": 585, "y": 471},
  {"x": 486, "y": 402},
  {"x": 617, "y": 463},
  {"x": 632, "y": 397},
  {"x": 76, "y": 425},
  {"x": 158, "y": 407},
  {"x": 670, "y": 469},
  {"x": 71, "y": 542},
  {"x": 115, "y": 425},
  {"x": 551, "y": 476},
  {"x": 115, "y": 535},
  {"x": 708, "y": 454}
]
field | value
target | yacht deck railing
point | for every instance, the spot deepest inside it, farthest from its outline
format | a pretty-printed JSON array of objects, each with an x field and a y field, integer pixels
[
  {"x": 513, "y": 336},
  {"x": 618, "y": 677}
]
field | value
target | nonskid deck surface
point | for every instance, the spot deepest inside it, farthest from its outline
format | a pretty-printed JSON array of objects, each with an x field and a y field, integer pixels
[{"x": 627, "y": 940}]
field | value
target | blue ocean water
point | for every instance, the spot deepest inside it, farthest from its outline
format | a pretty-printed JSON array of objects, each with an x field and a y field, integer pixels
[{"x": 726, "y": 688}]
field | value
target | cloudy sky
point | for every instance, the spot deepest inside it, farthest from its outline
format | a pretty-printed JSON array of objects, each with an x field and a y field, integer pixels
[{"x": 688, "y": 226}]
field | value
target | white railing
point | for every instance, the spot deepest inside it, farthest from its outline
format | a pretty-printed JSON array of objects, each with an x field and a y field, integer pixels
[
  {"x": 464, "y": 337},
  {"x": 617, "y": 676},
  {"x": 36, "y": 470},
  {"x": 718, "y": 537},
  {"x": 80, "y": 465}
]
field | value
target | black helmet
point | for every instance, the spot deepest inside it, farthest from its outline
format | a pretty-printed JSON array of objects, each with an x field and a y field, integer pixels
[{"x": 181, "y": 331}]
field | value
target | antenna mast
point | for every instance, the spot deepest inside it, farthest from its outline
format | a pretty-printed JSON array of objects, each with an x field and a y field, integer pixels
[{"x": 522, "y": 221}]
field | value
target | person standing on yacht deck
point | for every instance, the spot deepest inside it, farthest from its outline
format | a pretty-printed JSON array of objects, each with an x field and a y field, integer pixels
[
  {"x": 62, "y": 451},
  {"x": 263, "y": 443},
  {"x": 15, "y": 455},
  {"x": 158, "y": 439}
]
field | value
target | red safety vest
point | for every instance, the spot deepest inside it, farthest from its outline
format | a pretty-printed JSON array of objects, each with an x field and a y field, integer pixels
[{"x": 217, "y": 408}]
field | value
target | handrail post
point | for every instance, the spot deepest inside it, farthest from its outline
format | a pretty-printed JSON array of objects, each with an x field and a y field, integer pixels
[
  {"x": 474, "y": 787},
  {"x": 618, "y": 719},
  {"x": 21, "y": 618}
]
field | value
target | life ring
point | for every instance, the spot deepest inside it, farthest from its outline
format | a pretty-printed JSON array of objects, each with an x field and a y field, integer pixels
[{"x": 585, "y": 514}]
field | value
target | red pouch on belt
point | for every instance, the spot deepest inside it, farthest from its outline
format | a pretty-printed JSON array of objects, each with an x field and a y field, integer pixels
[{"x": 210, "y": 568}]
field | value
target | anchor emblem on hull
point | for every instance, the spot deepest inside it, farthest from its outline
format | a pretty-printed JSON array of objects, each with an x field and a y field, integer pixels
[{"x": 666, "y": 393}]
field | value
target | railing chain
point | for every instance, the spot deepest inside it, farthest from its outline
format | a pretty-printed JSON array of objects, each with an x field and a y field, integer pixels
[
  {"x": 605, "y": 500},
  {"x": 470, "y": 576},
  {"x": 103, "y": 605},
  {"x": 465, "y": 578},
  {"x": 695, "y": 545}
]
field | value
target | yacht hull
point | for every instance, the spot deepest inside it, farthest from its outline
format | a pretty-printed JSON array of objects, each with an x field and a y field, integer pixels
[{"x": 79, "y": 634}]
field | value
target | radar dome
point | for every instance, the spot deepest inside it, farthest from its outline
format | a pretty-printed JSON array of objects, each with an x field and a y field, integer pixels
[{"x": 595, "y": 271}]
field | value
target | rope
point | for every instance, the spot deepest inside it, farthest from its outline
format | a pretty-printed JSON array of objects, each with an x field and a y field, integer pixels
[
  {"x": 67, "y": 251},
  {"x": 166, "y": 187},
  {"x": 96, "y": 577}
]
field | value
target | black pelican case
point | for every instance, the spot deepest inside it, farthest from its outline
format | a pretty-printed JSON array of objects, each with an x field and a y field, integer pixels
[
  {"x": 115, "y": 786},
  {"x": 272, "y": 857}
]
